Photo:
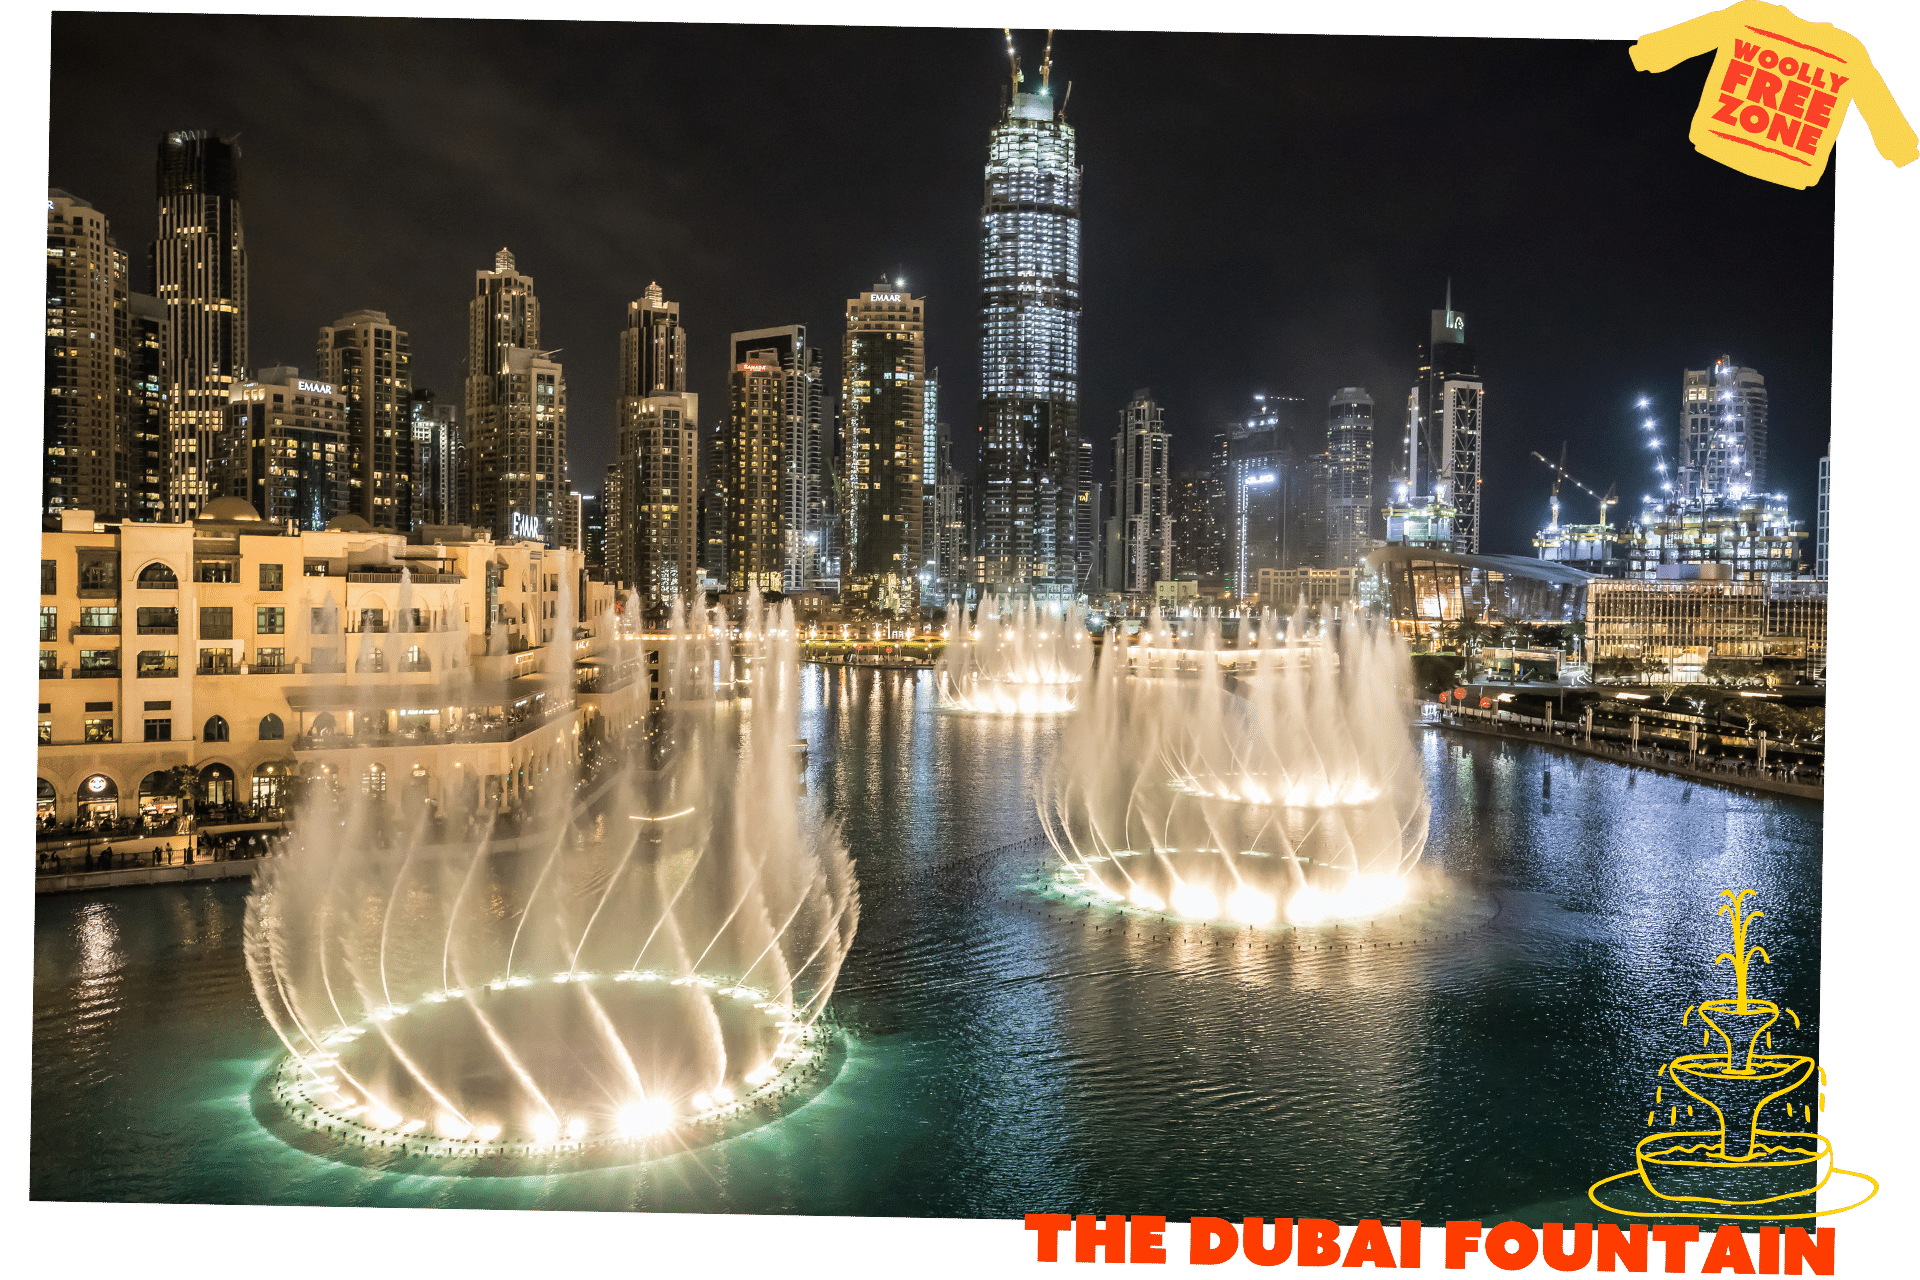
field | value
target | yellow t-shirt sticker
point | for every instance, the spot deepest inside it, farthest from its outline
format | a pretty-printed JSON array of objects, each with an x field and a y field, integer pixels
[{"x": 1779, "y": 91}]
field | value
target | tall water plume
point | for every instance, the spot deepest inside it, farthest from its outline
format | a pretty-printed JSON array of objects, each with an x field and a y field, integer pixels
[
  {"x": 651, "y": 950},
  {"x": 1274, "y": 778},
  {"x": 1019, "y": 656}
]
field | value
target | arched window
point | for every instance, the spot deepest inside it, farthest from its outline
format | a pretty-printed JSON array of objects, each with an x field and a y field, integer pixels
[
  {"x": 418, "y": 661},
  {"x": 46, "y": 801},
  {"x": 322, "y": 724},
  {"x": 271, "y": 730},
  {"x": 216, "y": 729},
  {"x": 157, "y": 577}
]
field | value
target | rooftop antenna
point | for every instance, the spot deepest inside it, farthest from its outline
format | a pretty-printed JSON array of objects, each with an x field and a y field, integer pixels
[
  {"x": 1013, "y": 59},
  {"x": 1066, "y": 98},
  {"x": 1449, "y": 295},
  {"x": 1046, "y": 61}
]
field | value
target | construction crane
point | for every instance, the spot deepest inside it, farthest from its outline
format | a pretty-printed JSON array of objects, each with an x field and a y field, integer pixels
[
  {"x": 1013, "y": 59},
  {"x": 1553, "y": 494},
  {"x": 1046, "y": 62},
  {"x": 1560, "y": 472}
]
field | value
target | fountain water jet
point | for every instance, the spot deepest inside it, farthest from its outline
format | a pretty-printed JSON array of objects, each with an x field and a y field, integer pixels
[
  {"x": 1018, "y": 657},
  {"x": 556, "y": 992},
  {"x": 1273, "y": 780}
]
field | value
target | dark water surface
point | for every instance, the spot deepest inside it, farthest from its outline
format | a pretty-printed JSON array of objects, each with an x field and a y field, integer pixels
[{"x": 1005, "y": 1058}]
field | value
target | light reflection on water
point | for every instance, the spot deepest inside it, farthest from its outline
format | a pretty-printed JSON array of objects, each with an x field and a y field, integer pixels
[{"x": 1004, "y": 1061}]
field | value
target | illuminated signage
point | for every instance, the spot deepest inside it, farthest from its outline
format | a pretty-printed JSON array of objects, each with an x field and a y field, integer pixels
[
  {"x": 753, "y": 368},
  {"x": 525, "y": 526},
  {"x": 96, "y": 783},
  {"x": 888, "y": 297},
  {"x": 324, "y": 388}
]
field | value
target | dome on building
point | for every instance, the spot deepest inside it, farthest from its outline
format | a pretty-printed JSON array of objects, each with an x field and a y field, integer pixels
[
  {"x": 229, "y": 509},
  {"x": 349, "y": 523}
]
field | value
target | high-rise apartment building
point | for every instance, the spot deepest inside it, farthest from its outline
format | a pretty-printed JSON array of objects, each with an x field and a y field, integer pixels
[
  {"x": 931, "y": 590},
  {"x": 1197, "y": 534},
  {"x": 789, "y": 378},
  {"x": 87, "y": 458},
  {"x": 955, "y": 563},
  {"x": 200, "y": 276},
  {"x": 1142, "y": 500},
  {"x": 883, "y": 391},
  {"x": 1723, "y": 434},
  {"x": 146, "y": 408},
  {"x": 593, "y": 535},
  {"x": 439, "y": 462},
  {"x": 288, "y": 449},
  {"x": 1820, "y": 530},
  {"x": 516, "y": 412},
  {"x": 1349, "y": 478},
  {"x": 1445, "y": 426},
  {"x": 366, "y": 358},
  {"x": 1031, "y": 525},
  {"x": 653, "y": 488},
  {"x": 755, "y": 458},
  {"x": 1266, "y": 491}
]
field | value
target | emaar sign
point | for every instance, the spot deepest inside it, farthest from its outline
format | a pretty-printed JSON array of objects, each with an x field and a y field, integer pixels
[{"x": 525, "y": 526}]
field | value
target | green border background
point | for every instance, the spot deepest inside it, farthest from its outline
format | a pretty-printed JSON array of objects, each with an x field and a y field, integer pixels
[{"x": 1869, "y": 851}]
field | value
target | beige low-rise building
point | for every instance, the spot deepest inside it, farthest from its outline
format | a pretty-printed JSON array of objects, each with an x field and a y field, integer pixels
[{"x": 447, "y": 672}]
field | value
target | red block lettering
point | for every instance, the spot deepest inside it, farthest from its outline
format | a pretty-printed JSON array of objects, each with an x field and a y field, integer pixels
[
  {"x": 1737, "y": 73},
  {"x": 1676, "y": 1238},
  {"x": 1553, "y": 1237},
  {"x": 1211, "y": 1240},
  {"x": 1146, "y": 1238},
  {"x": 1728, "y": 1252},
  {"x": 1755, "y": 119},
  {"x": 1820, "y": 109},
  {"x": 1615, "y": 1244},
  {"x": 1742, "y": 49},
  {"x": 1783, "y": 130},
  {"x": 1793, "y": 101},
  {"x": 1409, "y": 1243},
  {"x": 1728, "y": 105},
  {"x": 1816, "y": 1250},
  {"x": 1511, "y": 1246},
  {"x": 1839, "y": 80},
  {"x": 1463, "y": 1238},
  {"x": 1369, "y": 1245},
  {"x": 1255, "y": 1243},
  {"x": 1809, "y": 139},
  {"x": 1319, "y": 1243},
  {"x": 1049, "y": 1226},
  {"x": 1764, "y": 88},
  {"x": 1769, "y": 1251},
  {"x": 1112, "y": 1236}
]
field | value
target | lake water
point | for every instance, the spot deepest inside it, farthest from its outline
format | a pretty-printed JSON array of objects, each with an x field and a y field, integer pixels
[{"x": 1006, "y": 1054}]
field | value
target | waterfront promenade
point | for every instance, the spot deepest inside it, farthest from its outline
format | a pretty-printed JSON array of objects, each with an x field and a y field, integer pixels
[{"x": 1745, "y": 775}]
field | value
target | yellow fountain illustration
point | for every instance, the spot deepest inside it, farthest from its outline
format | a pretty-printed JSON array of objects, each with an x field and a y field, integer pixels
[{"x": 1761, "y": 1157}]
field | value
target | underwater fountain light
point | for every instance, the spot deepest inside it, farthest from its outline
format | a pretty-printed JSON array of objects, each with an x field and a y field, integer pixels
[{"x": 1016, "y": 658}]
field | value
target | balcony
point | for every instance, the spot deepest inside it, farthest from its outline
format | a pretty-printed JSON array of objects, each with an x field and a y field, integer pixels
[
  {"x": 274, "y": 668},
  {"x": 98, "y": 673},
  {"x": 50, "y": 673},
  {"x": 505, "y": 731},
  {"x": 87, "y": 629},
  {"x": 173, "y": 630},
  {"x": 326, "y": 668},
  {"x": 391, "y": 576}
]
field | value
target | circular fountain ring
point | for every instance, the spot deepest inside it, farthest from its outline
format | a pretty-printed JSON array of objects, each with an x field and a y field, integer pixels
[{"x": 310, "y": 1103}]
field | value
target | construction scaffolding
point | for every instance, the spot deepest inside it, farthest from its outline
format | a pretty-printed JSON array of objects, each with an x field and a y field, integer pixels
[{"x": 1752, "y": 535}]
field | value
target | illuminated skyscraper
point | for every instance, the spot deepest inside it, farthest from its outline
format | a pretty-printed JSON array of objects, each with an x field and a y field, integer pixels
[
  {"x": 1349, "y": 502},
  {"x": 1029, "y": 351},
  {"x": 1820, "y": 529},
  {"x": 366, "y": 358},
  {"x": 652, "y": 490},
  {"x": 1141, "y": 499},
  {"x": 90, "y": 399},
  {"x": 1723, "y": 435},
  {"x": 1445, "y": 426},
  {"x": 439, "y": 462},
  {"x": 516, "y": 411},
  {"x": 200, "y": 275},
  {"x": 778, "y": 397},
  {"x": 883, "y": 393}
]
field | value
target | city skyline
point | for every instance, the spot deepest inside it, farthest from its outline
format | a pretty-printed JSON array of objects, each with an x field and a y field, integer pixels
[{"x": 1302, "y": 295}]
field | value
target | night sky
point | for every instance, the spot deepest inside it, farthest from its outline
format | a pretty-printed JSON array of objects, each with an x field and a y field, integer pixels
[{"x": 1260, "y": 213}]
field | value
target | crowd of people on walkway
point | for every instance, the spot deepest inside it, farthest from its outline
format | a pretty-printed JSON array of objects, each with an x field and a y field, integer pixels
[
  {"x": 128, "y": 855},
  {"x": 1792, "y": 772}
]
